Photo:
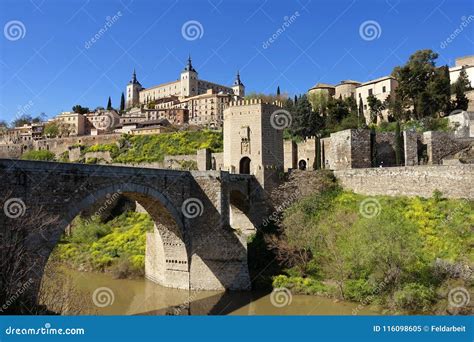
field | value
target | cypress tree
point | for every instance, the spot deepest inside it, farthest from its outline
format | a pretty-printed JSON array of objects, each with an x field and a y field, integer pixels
[
  {"x": 109, "y": 104},
  {"x": 122, "y": 103},
  {"x": 360, "y": 112},
  {"x": 398, "y": 145},
  {"x": 278, "y": 91},
  {"x": 318, "y": 153}
]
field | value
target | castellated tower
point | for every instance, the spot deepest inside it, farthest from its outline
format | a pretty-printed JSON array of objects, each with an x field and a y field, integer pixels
[
  {"x": 238, "y": 87},
  {"x": 253, "y": 144},
  {"x": 189, "y": 80},
  {"x": 133, "y": 90}
]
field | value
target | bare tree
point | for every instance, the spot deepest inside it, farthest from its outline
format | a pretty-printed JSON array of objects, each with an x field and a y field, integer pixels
[{"x": 21, "y": 262}]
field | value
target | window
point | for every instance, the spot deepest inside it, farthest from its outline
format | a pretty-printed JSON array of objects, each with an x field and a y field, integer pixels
[
  {"x": 371, "y": 92},
  {"x": 384, "y": 89}
]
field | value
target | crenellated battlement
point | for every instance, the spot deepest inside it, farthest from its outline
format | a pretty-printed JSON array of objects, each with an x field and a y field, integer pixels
[{"x": 250, "y": 102}]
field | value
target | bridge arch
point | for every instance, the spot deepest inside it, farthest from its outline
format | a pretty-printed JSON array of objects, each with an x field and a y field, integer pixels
[{"x": 167, "y": 261}]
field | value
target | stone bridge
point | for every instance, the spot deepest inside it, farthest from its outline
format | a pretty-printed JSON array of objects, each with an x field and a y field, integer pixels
[{"x": 202, "y": 219}]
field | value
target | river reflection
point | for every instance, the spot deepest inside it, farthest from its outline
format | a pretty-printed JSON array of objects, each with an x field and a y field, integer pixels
[{"x": 143, "y": 297}]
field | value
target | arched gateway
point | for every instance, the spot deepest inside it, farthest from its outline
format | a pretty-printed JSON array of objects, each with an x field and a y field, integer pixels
[{"x": 193, "y": 245}]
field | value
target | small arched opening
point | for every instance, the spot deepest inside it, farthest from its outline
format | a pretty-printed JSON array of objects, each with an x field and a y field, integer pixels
[
  {"x": 302, "y": 164},
  {"x": 244, "y": 166}
]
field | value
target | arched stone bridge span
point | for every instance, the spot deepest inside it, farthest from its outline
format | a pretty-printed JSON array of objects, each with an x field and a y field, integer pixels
[{"x": 201, "y": 218}]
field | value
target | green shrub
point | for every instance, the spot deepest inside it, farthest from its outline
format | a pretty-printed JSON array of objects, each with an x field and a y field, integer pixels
[
  {"x": 88, "y": 231},
  {"x": 358, "y": 290},
  {"x": 112, "y": 148},
  {"x": 300, "y": 285},
  {"x": 414, "y": 297},
  {"x": 39, "y": 155},
  {"x": 64, "y": 157}
]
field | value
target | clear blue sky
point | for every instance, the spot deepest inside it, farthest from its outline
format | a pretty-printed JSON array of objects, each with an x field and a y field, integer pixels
[{"x": 47, "y": 68}]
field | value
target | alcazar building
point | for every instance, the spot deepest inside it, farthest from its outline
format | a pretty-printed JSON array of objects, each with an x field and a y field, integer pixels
[{"x": 204, "y": 100}]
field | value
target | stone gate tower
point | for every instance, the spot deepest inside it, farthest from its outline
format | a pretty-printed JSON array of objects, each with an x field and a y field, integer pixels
[{"x": 253, "y": 144}]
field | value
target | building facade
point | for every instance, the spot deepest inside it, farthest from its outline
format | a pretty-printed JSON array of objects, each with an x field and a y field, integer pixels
[
  {"x": 71, "y": 124},
  {"x": 380, "y": 88},
  {"x": 466, "y": 63}
]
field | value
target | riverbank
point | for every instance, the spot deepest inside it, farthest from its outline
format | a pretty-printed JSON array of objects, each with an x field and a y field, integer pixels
[{"x": 404, "y": 254}]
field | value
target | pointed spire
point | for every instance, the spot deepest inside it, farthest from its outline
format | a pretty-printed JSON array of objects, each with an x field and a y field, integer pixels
[
  {"x": 134, "y": 78},
  {"x": 189, "y": 65},
  {"x": 237, "y": 79}
]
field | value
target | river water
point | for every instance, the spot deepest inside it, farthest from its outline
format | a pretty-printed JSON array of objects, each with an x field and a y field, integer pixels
[{"x": 143, "y": 297}]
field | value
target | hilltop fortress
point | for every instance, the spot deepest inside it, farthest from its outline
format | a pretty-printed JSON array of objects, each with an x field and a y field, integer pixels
[{"x": 204, "y": 100}]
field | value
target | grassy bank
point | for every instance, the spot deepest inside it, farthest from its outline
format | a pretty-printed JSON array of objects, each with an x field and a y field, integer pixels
[
  {"x": 117, "y": 246},
  {"x": 401, "y": 253}
]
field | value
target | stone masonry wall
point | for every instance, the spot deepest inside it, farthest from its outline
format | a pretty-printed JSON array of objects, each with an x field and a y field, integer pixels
[
  {"x": 11, "y": 151},
  {"x": 452, "y": 181},
  {"x": 441, "y": 145},
  {"x": 60, "y": 145}
]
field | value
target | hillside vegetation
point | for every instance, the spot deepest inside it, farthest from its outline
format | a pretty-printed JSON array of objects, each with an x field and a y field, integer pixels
[
  {"x": 117, "y": 246},
  {"x": 150, "y": 148},
  {"x": 401, "y": 253}
]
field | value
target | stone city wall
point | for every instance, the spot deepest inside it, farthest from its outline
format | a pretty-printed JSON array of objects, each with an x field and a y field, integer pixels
[
  {"x": 440, "y": 145},
  {"x": 452, "y": 181},
  {"x": 60, "y": 145}
]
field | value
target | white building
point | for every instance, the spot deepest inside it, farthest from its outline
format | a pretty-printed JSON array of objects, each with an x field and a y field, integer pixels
[
  {"x": 466, "y": 63},
  {"x": 380, "y": 88}
]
